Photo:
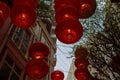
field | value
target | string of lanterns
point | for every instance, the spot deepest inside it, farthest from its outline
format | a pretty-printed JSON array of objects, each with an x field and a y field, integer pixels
[
  {"x": 37, "y": 68},
  {"x": 81, "y": 64},
  {"x": 68, "y": 30},
  {"x": 67, "y": 14}
]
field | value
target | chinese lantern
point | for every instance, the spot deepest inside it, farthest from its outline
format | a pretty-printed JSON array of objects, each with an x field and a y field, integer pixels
[
  {"x": 4, "y": 12},
  {"x": 32, "y": 3},
  {"x": 58, "y": 3},
  {"x": 37, "y": 68},
  {"x": 86, "y": 8},
  {"x": 69, "y": 31},
  {"x": 115, "y": 63},
  {"x": 38, "y": 51},
  {"x": 57, "y": 75},
  {"x": 66, "y": 11},
  {"x": 81, "y": 64},
  {"x": 23, "y": 16},
  {"x": 81, "y": 74},
  {"x": 81, "y": 53},
  {"x": 1, "y": 21}
]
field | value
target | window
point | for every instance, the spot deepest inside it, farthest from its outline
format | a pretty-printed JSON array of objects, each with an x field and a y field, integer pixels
[
  {"x": 4, "y": 72},
  {"x": 22, "y": 39},
  {"x": 9, "y": 70},
  {"x": 18, "y": 36}
]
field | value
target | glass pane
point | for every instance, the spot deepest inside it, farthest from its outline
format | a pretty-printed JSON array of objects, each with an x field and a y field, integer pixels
[
  {"x": 25, "y": 42},
  {"x": 23, "y": 49},
  {"x": 9, "y": 60},
  {"x": 26, "y": 39},
  {"x": 4, "y": 72},
  {"x": 14, "y": 77},
  {"x": 19, "y": 32},
  {"x": 17, "y": 69},
  {"x": 16, "y": 40},
  {"x": 18, "y": 36},
  {"x": 12, "y": 30}
]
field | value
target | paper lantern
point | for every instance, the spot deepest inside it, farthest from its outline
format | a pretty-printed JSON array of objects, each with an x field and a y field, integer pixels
[
  {"x": 32, "y": 3},
  {"x": 66, "y": 11},
  {"x": 81, "y": 74},
  {"x": 1, "y": 21},
  {"x": 4, "y": 13},
  {"x": 37, "y": 68},
  {"x": 81, "y": 53},
  {"x": 69, "y": 31},
  {"x": 81, "y": 64},
  {"x": 23, "y": 16},
  {"x": 57, "y": 75},
  {"x": 4, "y": 10},
  {"x": 38, "y": 51},
  {"x": 58, "y": 3},
  {"x": 86, "y": 8}
]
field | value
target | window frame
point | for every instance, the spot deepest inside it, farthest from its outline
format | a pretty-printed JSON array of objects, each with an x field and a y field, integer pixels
[
  {"x": 26, "y": 31},
  {"x": 12, "y": 67}
]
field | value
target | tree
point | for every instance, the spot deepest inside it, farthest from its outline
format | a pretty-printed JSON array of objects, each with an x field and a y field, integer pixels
[
  {"x": 102, "y": 40},
  {"x": 105, "y": 44},
  {"x": 44, "y": 10}
]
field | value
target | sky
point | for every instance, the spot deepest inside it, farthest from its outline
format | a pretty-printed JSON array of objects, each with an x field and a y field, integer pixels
[{"x": 63, "y": 60}]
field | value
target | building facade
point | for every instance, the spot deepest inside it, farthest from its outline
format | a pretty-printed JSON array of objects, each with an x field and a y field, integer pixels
[
  {"x": 14, "y": 44},
  {"x": 70, "y": 75}
]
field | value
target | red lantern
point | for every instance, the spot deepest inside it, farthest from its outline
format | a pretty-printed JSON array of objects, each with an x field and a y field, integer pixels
[
  {"x": 81, "y": 74},
  {"x": 86, "y": 8},
  {"x": 1, "y": 21},
  {"x": 66, "y": 11},
  {"x": 58, "y": 3},
  {"x": 81, "y": 53},
  {"x": 38, "y": 51},
  {"x": 81, "y": 64},
  {"x": 69, "y": 31},
  {"x": 4, "y": 12},
  {"x": 37, "y": 68},
  {"x": 57, "y": 75},
  {"x": 23, "y": 16},
  {"x": 32, "y": 3}
]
